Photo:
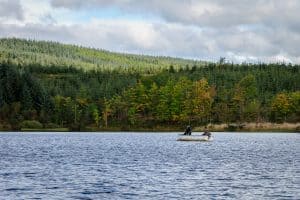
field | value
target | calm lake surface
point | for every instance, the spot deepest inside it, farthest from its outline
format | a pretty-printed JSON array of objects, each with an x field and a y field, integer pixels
[{"x": 149, "y": 166}]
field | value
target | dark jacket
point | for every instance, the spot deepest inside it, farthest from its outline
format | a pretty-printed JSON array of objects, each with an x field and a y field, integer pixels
[
  {"x": 206, "y": 133},
  {"x": 188, "y": 131}
]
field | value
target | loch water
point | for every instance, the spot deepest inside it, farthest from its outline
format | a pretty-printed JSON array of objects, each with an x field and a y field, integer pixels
[{"x": 124, "y": 165}]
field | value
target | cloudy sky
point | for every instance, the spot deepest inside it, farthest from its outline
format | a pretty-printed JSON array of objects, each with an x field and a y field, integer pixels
[{"x": 240, "y": 30}]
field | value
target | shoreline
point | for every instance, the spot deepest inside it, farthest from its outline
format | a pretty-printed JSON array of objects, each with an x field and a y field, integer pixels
[{"x": 244, "y": 127}]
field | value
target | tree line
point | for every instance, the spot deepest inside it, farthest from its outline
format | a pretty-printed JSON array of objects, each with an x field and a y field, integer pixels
[{"x": 52, "y": 96}]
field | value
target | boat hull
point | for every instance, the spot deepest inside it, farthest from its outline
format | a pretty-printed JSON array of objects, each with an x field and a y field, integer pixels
[{"x": 194, "y": 138}]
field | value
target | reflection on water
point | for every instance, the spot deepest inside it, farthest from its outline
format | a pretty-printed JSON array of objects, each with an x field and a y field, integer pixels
[{"x": 148, "y": 166}]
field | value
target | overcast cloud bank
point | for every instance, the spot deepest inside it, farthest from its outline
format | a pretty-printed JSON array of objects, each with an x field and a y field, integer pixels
[{"x": 252, "y": 31}]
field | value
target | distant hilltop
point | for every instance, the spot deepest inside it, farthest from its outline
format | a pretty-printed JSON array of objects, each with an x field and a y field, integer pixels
[{"x": 53, "y": 53}]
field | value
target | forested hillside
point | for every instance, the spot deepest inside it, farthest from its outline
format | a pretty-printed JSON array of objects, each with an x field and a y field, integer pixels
[
  {"x": 52, "y": 85},
  {"x": 42, "y": 53}
]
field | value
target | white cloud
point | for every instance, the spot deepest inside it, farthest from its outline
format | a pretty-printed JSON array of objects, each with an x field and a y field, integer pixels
[
  {"x": 202, "y": 12},
  {"x": 11, "y": 9},
  {"x": 257, "y": 30}
]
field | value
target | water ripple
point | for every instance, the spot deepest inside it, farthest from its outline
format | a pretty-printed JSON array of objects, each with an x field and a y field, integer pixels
[{"x": 148, "y": 166}]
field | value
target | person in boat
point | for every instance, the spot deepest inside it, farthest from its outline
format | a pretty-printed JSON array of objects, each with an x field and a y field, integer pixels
[
  {"x": 207, "y": 133},
  {"x": 188, "y": 130}
]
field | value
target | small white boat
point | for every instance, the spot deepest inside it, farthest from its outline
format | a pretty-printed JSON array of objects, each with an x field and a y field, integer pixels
[{"x": 195, "y": 138}]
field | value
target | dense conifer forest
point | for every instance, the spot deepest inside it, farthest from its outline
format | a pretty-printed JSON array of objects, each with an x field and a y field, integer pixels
[{"x": 51, "y": 85}]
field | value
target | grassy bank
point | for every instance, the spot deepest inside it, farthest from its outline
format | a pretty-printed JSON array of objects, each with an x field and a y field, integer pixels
[
  {"x": 45, "y": 129},
  {"x": 245, "y": 127},
  {"x": 252, "y": 127}
]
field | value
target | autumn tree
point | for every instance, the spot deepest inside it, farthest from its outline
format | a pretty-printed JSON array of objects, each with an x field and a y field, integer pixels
[
  {"x": 245, "y": 92},
  {"x": 281, "y": 107}
]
